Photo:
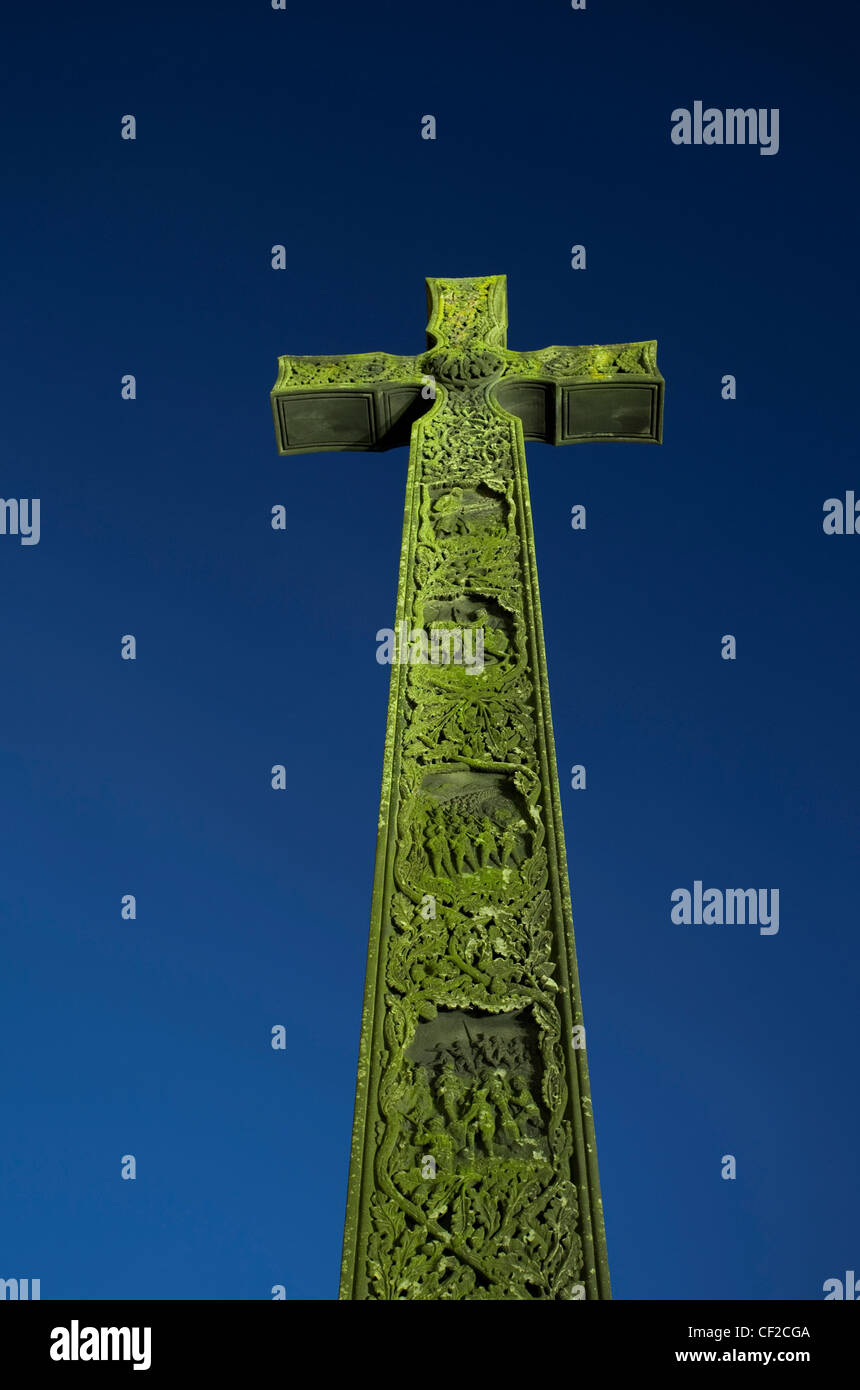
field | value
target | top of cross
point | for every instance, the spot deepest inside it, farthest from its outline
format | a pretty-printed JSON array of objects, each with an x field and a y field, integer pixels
[{"x": 562, "y": 394}]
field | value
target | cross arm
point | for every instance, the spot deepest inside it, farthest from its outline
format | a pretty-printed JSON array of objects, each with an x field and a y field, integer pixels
[
  {"x": 569, "y": 395},
  {"x": 360, "y": 401}
]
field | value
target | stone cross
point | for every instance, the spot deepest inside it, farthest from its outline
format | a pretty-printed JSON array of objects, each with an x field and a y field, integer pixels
[{"x": 474, "y": 1171}]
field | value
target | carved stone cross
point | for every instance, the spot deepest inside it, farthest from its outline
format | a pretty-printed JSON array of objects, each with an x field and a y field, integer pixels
[{"x": 474, "y": 1170}]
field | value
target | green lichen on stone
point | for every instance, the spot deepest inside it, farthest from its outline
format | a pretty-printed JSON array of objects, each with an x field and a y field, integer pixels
[{"x": 473, "y": 1171}]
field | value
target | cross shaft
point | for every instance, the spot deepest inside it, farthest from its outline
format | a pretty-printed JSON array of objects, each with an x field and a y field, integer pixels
[{"x": 473, "y": 1172}]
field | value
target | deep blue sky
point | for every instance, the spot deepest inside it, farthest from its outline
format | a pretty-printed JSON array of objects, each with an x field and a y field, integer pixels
[{"x": 257, "y": 127}]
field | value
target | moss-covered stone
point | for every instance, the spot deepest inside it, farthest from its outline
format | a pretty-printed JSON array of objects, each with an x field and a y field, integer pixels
[{"x": 474, "y": 1171}]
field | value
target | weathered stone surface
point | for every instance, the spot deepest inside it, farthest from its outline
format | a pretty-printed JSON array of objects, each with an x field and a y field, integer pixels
[{"x": 474, "y": 1171}]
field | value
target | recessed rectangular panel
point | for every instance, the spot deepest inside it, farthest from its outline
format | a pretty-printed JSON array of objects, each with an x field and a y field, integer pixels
[
  {"x": 327, "y": 420},
  {"x": 610, "y": 412},
  {"x": 402, "y": 407},
  {"x": 532, "y": 402}
]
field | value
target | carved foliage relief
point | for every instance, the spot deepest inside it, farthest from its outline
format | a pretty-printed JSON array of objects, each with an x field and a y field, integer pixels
[{"x": 474, "y": 1192}]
